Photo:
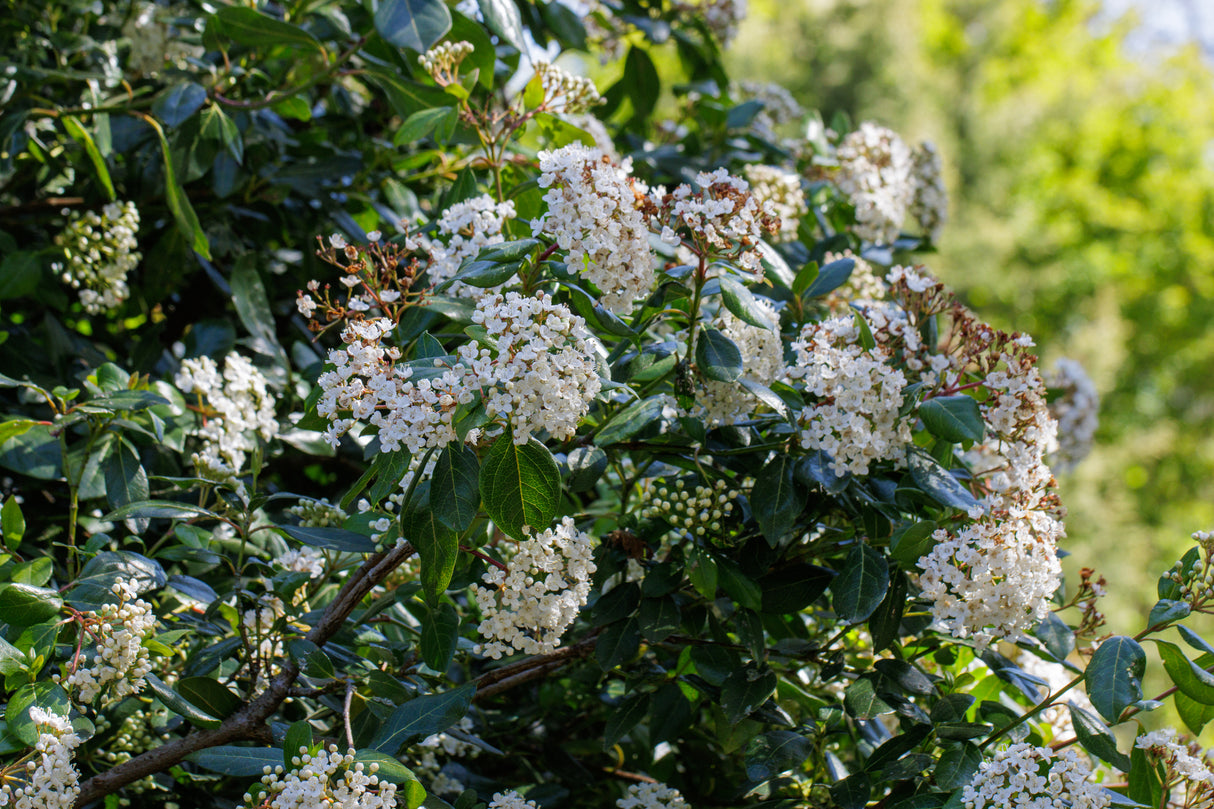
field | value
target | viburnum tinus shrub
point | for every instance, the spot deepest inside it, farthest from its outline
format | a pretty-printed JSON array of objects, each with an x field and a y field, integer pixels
[{"x": 391, "y": 417}]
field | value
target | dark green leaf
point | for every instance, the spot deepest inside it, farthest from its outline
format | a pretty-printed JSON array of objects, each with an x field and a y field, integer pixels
[
  {"x": 179, "y": 203},
  {"x": 1166, "y": 611},
  {"x": 906, "y": 676},
  {"x": 253, "y": 307},
  {"x": 957, "y": 731},
  {"x": 159, "y": 509},
  {"x": 862, "y": 701},
  {"x": 740, "y": 587},
  {"x": 1097, "y": 739},
  {"x": 630, "y": 421},
  {"x": 953, "y": 418},
  {"x": 240, "y": 762},
  {"x": 422, "y": 716},
  {"x": 125, "y": 480},
  {"x": 884, "y": 623},
  {"x": 182, "y": 706},
  {"x": 957, "y": 766},
  {"x": 440, "y": 631},
  {"x": 521, "y": 486},
  {"x": 624, "y": 717},
  {"x": 503, "y": 19},
  {"x": 1059, "y": 639},
  {"x": 94, "y": 587},
  {"x": 1194, "y": 640},
  {"x": 208, "y": 694},
  {"x": 618, "y": 644},
  {"x": 176, "y": 104},
  {"x": 20, "y": 273},
  {"x": 793, "y": 588},
  {"x": 454, "y": 493},
  {"x": 640, "y": 81},
  {"x": 616, "y": 604},
  {"x": 951, "y": 708},
  {"x": 746, "y": 689},
  {"x": 1114, "y": 676},
  {"x": 1145, "y": 779},
  {"x": 817, "y": 467},
  {"x": 717, "y": 357},
  {"x": 482, "y": 274},
  {"x": 861, "y": 584},
  {"x": 910, "y": 543},
  {"x": 739, "y": 300},
  {"x": 658, "y": 618},
  {"x": 586, "y": 465},
  {"x": 437, "y": 545},
  {"x": 82, "y": 136},
  {"x": 1194, "y": 714},
  {"x": 777, "y": 499},
  {"x": 852, "y": 792},
  {"x": 669, "y": 714},
  {"x": 337, "y": 539},
  {"x": 936, "y": 481},
  {"x": 1193, "y": 681},
  {"x": 414, "y": 24},
  {"x": 50, "y": 697},
  {"x": 423, "y": 122},
  {"x": 297, "y": 741},
  {"x": 702, "y": 571},
  {"x": 776, "y": 752},
  {"x": 252, "y": 28},
  {"x": 24, "y": 605},
  {"x": 831, "y": 277}
]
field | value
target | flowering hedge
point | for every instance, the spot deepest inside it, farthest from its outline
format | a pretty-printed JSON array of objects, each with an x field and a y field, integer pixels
[{"x": 395, "y": 420}]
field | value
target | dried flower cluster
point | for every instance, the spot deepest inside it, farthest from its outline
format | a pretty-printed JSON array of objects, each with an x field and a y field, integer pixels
[
  {"x": 529, "y": 607},
  {"x": 99, "y": 250}
]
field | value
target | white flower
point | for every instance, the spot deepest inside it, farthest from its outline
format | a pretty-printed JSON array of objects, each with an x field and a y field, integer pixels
[
  {"x": 1027, "y": 777},
  {"x": 51, "y": 780},
  {"x": 529, "y": 607},
  {"x": 762, "y": 361},
  {"x": 781, "y": 193},
  {"x": 120, "y": 662},
  {"x": 99, "y": 251},
  {"x": 723, "y": 218},
  {"x": 242, "y": 410},
  {"x": 471, "y": 225},
  {"x": 1179, "y": 759},
  {"x": 930, "y": 204},
  {"x": 875, "y": 172},
  {"x": 652, "y": 796},
  {"x": 510, "y": 800},
  {"x": 1077, "y": 411},
  {"x": 594, "y": 215},
  {"x": 780, "y": 109},
  {"x": 324, "y": 780},
  {"x": 721, "y": 16}
]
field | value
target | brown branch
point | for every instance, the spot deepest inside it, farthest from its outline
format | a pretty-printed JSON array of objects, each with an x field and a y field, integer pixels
[
  {"x": 507, "y": 677},
  {"x": 248, "y": 724}
]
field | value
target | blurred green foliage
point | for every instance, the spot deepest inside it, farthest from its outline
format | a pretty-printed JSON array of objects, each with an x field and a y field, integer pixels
[{"x": 1082, "y": 184}]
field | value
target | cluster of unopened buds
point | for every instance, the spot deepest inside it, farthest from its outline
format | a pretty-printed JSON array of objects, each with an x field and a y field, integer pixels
[
  {"x": 376, "y": 276},
  {"x": 120, "y": 662},
  {"x": 697, "y": 510},
  {"x": 564, "y": 92},
  {"x": 1196, "y": 581},
  {"x": 442, "y": 61},
  {"x": 314, "y": 781}
]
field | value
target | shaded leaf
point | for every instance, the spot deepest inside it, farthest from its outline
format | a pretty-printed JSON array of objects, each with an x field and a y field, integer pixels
[
  {"x": 422, "y": 716},
  {"x": 861, "y": 584}
]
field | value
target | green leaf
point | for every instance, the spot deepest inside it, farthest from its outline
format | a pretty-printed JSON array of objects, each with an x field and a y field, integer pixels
[
  {"x": 830, "y": 277},
  {"x": 885, "y": 622},
  {"x": 440, "y": 632},
  {"x": 520, "y": 486},
  {"x": 776, "y": 752},
  {"x": 742, "y": 303},
  {"x": 421, "y": 717},
  {"x": 616, "y": 604},
  {"x": 158, "y": 509},
  {"x": 852, "y": 792},
  {"x": 777, "y": 499},
  {"x": 81, "y": 135},
  {"x": 12, "y": 523},
  {"x": 618, "y": 644},
  {"x": 179, "y": 203},
  {"x": 423, "y": 122},
  {"x": 640, "y": 81},
  {"x": 951, "y": 708},
  {"x": 50, "y": 697},
  {"x": 702, "y": 571},
  {"x": 208, "y": 694},
  {"x": 252, "y": 28},
  {"x": 794, "y": 587},
  {"x": 669, "y": 714},
  {"x": 94, "y": 587},
  {"x": 1059, "y": 639},
  {"x": 1097, "y": 739},
  {"x": 1194, "y": 640},
  {"x": 624, "y": 717},
  {"x": 936, "y": 481},
  {"x": 953, "y": 418},
  {"x": 239, "y": 762},
  {"x": 586, "y": 465},
  {"x": 253, "y": 307},
  {"x": 414, "y": 24},
  {"x": 630, "y": 421},
  {"x": 1114, "y": 676},
  {"x": 481, "y": 274},
  {"x": 910, "y": 543},
  {"x": 1166, "y": 611},
  {"x": 1193, "y": 681},
  {"x": 297, "y": 740},
  {"x": 125, "y": 480},
  {"x": 502, "y": 18},
  {"x": 717, "y": 357},
  {"x": 176, "y": 104},
  {"x": 20, "y": 272},
  {"x": 658, "y": 618},
  {"x": 24, "y": 604},
  {"x": 746, "y": 689},
  {"x": 337, "y": 539},
  {"x": 1145, "y": 779},
  {"x": 437, "y": 545},
  {"x": 1194, "y": 714},
  {"x": 34, "y": 452},
  {"x": 184, "y": 708},
  {"x": 294, "y": 107},
  {"x": 454, "y": 493},
  {"x": 861, "y": 584},
  {"x": 740, "y": 587},
  {"x": 957, "y": 766}
]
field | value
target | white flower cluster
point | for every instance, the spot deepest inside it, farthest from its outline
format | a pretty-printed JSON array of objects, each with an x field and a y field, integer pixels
[
  {"x": 427, "y": 764},
  {"x": 780, "y": 192},
  {"x": 855, "y": 419},
  {"x": 471, "y": 225},
  {"x": 762, "y": 361},
  {"x": 652, "y": 796},
  {"x": 723, "y": 218},
  {"x": 52, "y": 780},
  {"x": 367, "y": 381},
  {"x": 155, "y": 44},
  {"x": 780, "y": 109},
  {"x": 929, "y": 206},
  {"x": 326, "y": 780},
  {"x": 318, "y": 514},
  {"x": 1077, "y": 411},
  {"x": 564, "y": 92},
  {"x": 1181, "y": 760},
  {"x": 1025, "y": 777},
  {"x": 1058, "y": 716},
  {"x": 238, "y": 409},
  {"x": 595, "y": 215},
  {"x": 304, "y": 560},
  {"x": 120, "y": 661},
  {"x": 540, "y": 374},
  {"x": 698, "y": 511},
  {"x": 862, "y": 286},
  {"x": 99, "y": 251},
  {"x": 442, "y": 60},
  {"x": 721, "y": 16},
  {"x": 875, "y": 172},
  {"x": 511, "y": 800},
  {"x": 530, "y": 606}
]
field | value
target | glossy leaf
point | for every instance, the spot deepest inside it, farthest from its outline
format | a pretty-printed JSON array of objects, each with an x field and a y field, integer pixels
[
  {"x": 1096, "y": 738},
  {"x": 630, "y": 421},
  {"x": 617, "y": 644},
  {"x": 179, "y": 203},
  {"x": 24, "y": 604},
  {"x": 937, "y": 482},
  {"x": 717, "y": 357},
  {"x": 175, "y": 105},
  {"x": 82, "y": 136},
  {"x": 337, "y": 539},
  {"x": 520, "y": 485},
  {"x": 250, "y": 27},
  {"x": 957, "y": 766},
  {"x": 437, "y": 545},
  {"x": 414, "y": 24},
  {"x": 421, "y": 717},
  {"x": 440, "y": 632},
  {"x": 830, "y": 277},
  {"x": 776, "y": 752},
  {"x": 861, "y": 584},
  {"x": 625, "y": 716},
  {"x": 742, "y": 303},
  {"x": 953, "y": 418},
  {"x": 454, "y": 490},
  {"x": 1114, "y": 676},
  {"x": 48, "y": 696},
  {"x": 125, "y": 479},
  {"x": 793, "y": 588},
  {"x": 746, "y": 689},
  {"x": 1192, "y": 680},
  {"x": 239, "y": 762},
  {"x": 503, "y": 19}
]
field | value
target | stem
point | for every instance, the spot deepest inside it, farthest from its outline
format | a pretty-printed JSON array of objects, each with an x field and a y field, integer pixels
[
  {"x": 1040, "y": 706},
  {"x": 488, "y": 559}
]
